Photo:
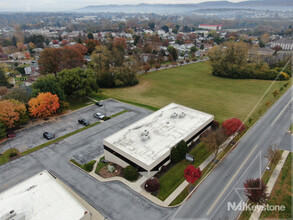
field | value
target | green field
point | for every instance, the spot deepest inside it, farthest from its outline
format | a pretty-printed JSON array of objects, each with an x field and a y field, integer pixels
[{"x": 194, "y": 86}]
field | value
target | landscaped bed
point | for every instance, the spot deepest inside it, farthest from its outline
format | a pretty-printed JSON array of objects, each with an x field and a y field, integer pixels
[
  {"x": 170, "y": 180},
  {"x": 106, "y": 174}
]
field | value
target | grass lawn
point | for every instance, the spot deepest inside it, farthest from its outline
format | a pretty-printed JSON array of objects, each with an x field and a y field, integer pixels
[
  {"x": 100, "y": 165},
  {"x": 77, "y": 103},
  {"x": 194, "y": 86},
  {"x": 175, "y": 176},
  {"x": 4, "y": 158},
  {"x": 180, "y": 197},
  {"x": 282, "y": 193},
  {"x": 291, "y": 128}
]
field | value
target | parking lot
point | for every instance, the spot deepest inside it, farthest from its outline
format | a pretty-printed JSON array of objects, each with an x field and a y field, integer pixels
[
  {"x": 113, "y": 200},
  {"x": 33, "y": 135}
]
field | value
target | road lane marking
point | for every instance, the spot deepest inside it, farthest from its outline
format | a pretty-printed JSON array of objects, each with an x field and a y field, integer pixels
[
  {"x": 231, "y": 180},
  {"x": 281, "y": 112}
]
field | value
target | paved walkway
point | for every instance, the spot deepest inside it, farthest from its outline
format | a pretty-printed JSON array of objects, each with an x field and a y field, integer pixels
[{"x": 272, "y": 181}]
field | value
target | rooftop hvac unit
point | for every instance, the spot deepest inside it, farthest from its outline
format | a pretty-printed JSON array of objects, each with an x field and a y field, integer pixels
[
  {"x": 182, "y": 115},
  {"x": 174, "y": 115}
]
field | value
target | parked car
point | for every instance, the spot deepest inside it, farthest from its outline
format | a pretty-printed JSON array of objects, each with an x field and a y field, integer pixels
[
  {"x": 99, "y": 104},
  {"x": 99, "y": 115},
  {"x": 11, "y": 134},
  {"x": 84, "y": 121},
  {"x": 48, "y": 135}
]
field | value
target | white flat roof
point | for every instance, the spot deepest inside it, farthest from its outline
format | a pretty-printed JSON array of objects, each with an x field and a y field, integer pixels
[
  {"x": 41, "y": 197},
  {"x": 150, "y": 138}
]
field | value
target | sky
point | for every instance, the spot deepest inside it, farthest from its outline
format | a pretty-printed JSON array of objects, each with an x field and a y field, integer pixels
[{"x": 63, "y": 5}]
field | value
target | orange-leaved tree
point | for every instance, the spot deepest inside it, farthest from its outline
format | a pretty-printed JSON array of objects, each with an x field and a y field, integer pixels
[
  {"x": 44, "y": 105},
  {"x": 12, "y": 112}
]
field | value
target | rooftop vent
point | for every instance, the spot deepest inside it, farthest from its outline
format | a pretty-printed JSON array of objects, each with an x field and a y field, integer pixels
[
  {"x": 182, "y": 115},
  {"x": 145, "y": 135},
  {"x": 174, "y": 115}
]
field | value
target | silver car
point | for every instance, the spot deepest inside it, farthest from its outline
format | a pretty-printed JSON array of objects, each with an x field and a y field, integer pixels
[{"x": 99, "y": 115}]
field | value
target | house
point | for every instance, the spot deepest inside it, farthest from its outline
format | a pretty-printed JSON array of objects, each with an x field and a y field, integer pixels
[
  {"x": 210, "y": 27},
  {"x": 285, "y": 44}
]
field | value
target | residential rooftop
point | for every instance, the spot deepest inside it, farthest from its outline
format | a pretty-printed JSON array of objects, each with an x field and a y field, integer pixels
[{"x": 153, "y": 136}]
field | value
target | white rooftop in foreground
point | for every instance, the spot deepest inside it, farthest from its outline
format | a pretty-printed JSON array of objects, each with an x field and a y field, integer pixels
[
  {"x": 41, "y": 197},
  {"x": 153, "y": 136}
]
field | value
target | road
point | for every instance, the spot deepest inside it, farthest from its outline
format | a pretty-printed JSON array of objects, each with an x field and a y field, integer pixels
[
  {"x": 113, "y": 200},
  {"x": 225, "y": 183}
]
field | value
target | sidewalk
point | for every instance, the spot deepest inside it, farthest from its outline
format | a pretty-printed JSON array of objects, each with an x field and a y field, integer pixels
[{"x": 273, "y": 179}]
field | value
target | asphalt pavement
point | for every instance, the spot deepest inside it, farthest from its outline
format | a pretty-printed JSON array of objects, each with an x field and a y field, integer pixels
[
  {"x": 32, "y": 136},
  {"x": 113, "y": 200},
  {"x": 216, "y": 196}
]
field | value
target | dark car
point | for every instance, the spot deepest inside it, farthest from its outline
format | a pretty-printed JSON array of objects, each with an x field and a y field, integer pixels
[
  {"x": 48, "y": 135},
  {"x": 84, "y": 121},
  {"x": 99, "y": 104}
]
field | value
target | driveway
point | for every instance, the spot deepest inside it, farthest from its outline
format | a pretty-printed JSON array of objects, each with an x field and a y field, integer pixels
[
  {"x": 33, "y": 136},
  {"x": 113, "y": 200}
]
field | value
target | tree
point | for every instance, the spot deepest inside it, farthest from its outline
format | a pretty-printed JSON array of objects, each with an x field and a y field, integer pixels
[
  {"x": 146, "y": 68},
  {"x": 192, "y": 174},
  {"x": 213, "y": 140},
  {"x": 233, "y": 125},
  {"x": 3, "y": 79},
  {"x": 14, "y": 41},
  {"x": 77, "y": 82},
  {"x": 202, "y": 46},
  {"x": 2, "y": 130},
  {"x": 48, "y": 83},
  {"x": 49, "y": 61},
  {"x": 12, "y": 113},
  {"x": 255, "y": 190},
  {"x": 3, "y": 90},
  {"x": 90, "y": 36},
  {"x": 157, "y": 66},
  {"x": 44, "y": 105},
  {"x": 53, "y": 60},
  {"x": 275, "y": 93},
  {"x": 152, "y": 185},
  {"x": 273, "y": 154},
  {"x": 91, "y": 45},
  {"x": 120, "y": 43},
  {"x": 165, "y": 28},
  {"x": 173, "y": 52},
  {"x": 18, "y": 93}
]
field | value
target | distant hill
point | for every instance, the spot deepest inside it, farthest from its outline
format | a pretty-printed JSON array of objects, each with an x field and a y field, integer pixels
[{"x": 183, "y": 8}]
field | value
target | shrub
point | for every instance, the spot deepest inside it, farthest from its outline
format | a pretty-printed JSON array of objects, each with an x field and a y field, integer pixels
[
  {"x": 215, "y": 125},
  {"x": 89, "y": 166},
  {"x": 106, "y": 118},
  {"x": 178, "y": 153},
  {"x": 130, "y": 173},
  {"x": 152, "y": 185},
  {"x": 12, "y": 154}
]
